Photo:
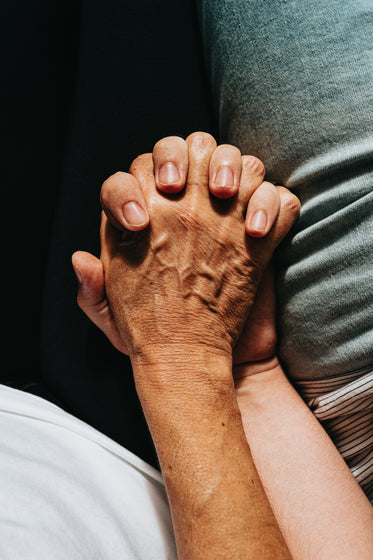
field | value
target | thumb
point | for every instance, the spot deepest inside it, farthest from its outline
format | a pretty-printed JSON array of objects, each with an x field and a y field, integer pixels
[{"x": 92, "y": 296}]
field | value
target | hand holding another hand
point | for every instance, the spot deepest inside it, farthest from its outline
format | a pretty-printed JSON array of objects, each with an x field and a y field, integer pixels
[
  {"x": 190, "y": 277},
  {"x": 186, "y": 240},
  {"x": 182, "y": 257}
]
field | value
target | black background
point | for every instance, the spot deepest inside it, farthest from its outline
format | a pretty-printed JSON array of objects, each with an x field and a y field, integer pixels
[{"x": 85, "y": 88}]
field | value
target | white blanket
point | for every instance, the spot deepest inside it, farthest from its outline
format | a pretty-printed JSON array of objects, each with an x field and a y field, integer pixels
[{"x": 70, "y": 493}]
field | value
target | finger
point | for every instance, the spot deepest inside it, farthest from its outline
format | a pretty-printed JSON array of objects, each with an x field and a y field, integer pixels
[
  {"x": 142, "y": 168},
  {"x": 252, "y": 175},
  {"x": 92, "y": 297},
  {"x": 123, "y": 202},
  {"x": 263, "y": 209},
  {"x": 225, "y": 171},
  {"x": 258, "y": 339},
  {"x": 261, "y": 250},
  {"x": 170, "y": 158},
  {"x": 288, "y": 214},
  {"x": 264, "y": 307},
  {"x": 201, "y": 146}
]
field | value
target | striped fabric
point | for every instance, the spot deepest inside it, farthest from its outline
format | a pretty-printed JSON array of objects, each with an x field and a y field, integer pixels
[{"x": 344, "y": 406}]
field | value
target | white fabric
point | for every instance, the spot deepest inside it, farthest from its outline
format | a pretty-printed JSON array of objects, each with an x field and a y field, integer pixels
[{"x": 67, "y": 492}]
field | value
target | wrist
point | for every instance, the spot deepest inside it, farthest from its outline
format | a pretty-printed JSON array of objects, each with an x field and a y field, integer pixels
[
  {"x": 188, "y": 398},
  {"x": 184, "y": 381},
  {"x": 177, "y": 364},
  {"x": 257, "y": 368},
  {"x": 255, "y": 384}
]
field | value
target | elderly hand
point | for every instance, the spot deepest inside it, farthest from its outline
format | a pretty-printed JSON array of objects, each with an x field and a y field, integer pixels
[{"x": 191, "y": 276}]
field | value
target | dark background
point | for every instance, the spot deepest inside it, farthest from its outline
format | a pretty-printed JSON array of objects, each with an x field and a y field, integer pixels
[{"x": 85, "y": 88}]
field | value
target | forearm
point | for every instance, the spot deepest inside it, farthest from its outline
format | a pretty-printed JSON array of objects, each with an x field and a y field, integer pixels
[
  {"x": 218, "y": 505},
  {"x": 319, "y": 506}
]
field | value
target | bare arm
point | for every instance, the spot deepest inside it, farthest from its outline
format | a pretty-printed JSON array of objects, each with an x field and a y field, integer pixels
[
  {"x": 218, "y": 506},
  {"x": 321, "y": 510}
]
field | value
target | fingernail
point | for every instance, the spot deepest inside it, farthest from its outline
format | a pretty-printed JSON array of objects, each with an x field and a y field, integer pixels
[
  {"x": 134, "y": 214},
  {"x": 259, "y": 220},
  {"x": 168, "y": 173},
  {"x": 224, "y": 177},
  {"x": 78, "y": 274}
]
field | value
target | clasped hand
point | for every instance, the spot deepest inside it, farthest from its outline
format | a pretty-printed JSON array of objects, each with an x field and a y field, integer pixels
[{"x": 189, "y": 272}]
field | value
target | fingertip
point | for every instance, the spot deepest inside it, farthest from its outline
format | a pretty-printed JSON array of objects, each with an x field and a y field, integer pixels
[
  {"x": 225, "y": 171},
  {"x": 75, "y": 258},
  {"x": 289, "y": 201},
  {"x": 123, "y": 202},
  {"x": 252, "y": 168},
  {"x": 256, "y": 224},
  {"x": 252, "y": 175},
  {"x": 262, "y": 210},
  {"x": 170, "y": 159},
  {"x": 88, "y": 270},
  {"x": 200, "y": 142}
]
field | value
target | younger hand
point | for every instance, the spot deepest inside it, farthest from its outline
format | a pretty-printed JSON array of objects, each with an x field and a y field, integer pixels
[{"x": 255, "y": 351}]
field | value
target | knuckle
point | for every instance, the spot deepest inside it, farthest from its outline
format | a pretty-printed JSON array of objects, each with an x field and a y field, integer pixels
[
  {"x": 110, "y": 185},
  {"x": 107, "y": 196},
  {"x": 200, "y": 140},
  {"x": 227, "y": 148},
  {"x": 254, "y": 164},
  {"x": 168, "y": 140},
  {"x": 141, "y": 161},
  {"x": 104, "y": 194},
  {"x": 289, "y": 200},
  {"x": 115, "y": 178},
  {"x": 120, "y": 188},
  {"x": 108, "y": 182}
]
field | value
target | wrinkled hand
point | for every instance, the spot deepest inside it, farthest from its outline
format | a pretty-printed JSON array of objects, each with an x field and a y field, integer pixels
[{"x": 191, "y": 276}]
